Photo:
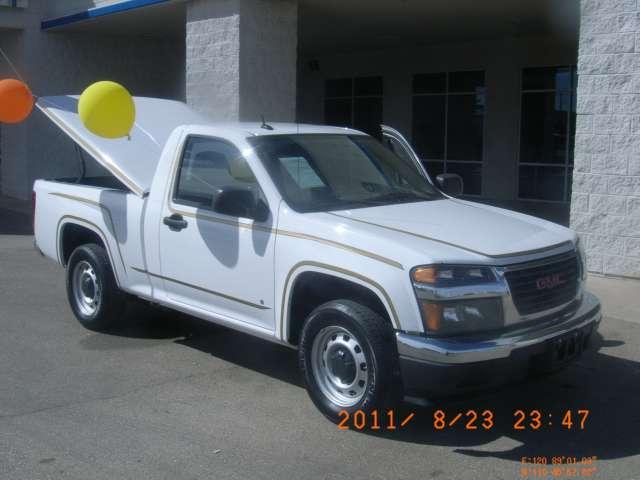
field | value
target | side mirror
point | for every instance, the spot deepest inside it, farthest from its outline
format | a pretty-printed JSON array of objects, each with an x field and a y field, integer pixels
[
  {"x": 450, "y": 183},
  {"x": 240, "y": 202},
  {"x": 261, "y": 212}
]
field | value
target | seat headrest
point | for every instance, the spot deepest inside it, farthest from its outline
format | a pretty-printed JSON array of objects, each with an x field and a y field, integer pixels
[{"x": 239, "y": 169}]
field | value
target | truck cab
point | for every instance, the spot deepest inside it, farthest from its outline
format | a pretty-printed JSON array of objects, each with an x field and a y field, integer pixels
[{"x": 318, "y": 238}]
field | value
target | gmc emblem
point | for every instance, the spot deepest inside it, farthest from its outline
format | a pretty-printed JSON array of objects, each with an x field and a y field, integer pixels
[{"x": 552, "y": 281}]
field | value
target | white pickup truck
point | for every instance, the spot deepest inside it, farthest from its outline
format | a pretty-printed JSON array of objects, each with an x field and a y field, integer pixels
[{"x": 319, "y": 238}]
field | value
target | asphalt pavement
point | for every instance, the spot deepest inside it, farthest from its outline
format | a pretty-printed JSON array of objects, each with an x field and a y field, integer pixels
[{"x": 171, "y": 397}]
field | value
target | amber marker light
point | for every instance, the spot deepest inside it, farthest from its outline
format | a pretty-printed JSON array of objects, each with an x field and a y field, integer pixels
[
  {"x": 425, "y": 275},
  {"x": 432, "y": 314}
]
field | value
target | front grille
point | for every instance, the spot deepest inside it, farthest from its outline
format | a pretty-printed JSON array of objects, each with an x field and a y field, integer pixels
[{"x": 542, "y": 287}]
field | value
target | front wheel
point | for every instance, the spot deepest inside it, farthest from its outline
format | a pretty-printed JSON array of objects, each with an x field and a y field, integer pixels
[{"x": 347, "y": 358}]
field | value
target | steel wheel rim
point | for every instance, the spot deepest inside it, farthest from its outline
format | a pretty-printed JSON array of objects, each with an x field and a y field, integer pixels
[
  {"x": 340, "y": 366},
  {"x": 87, "y": 291}
]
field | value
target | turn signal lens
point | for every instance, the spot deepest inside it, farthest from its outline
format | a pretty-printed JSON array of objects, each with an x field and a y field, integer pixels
[
  {"x": 432, "y": 315},
  {"x": 425, "y": 275},
  {"x": 452, "y": 275}
]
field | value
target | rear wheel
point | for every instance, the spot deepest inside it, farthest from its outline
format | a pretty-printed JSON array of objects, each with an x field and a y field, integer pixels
[
  {"x": 93, "y": 294},
  {"x": 347, "y": 356}
]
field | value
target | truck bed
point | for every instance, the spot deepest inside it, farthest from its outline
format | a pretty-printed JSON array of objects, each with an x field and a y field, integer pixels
[{"x": 102, "y": 205}]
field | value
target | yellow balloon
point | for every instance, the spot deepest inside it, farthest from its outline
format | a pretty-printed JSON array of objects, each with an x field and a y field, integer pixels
[{"x": 107, "y": 109}]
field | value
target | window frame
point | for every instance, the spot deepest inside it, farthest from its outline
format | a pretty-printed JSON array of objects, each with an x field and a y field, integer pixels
[
  {"x": 446, "y": 94},
  {"x": 566, "y": 165},
  {"x": 178, "y": 172}
]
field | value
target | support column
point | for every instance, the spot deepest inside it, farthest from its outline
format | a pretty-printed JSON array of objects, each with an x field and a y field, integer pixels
[
  {"x": 605, "y": 204},
  {"x": 241, "y": 58}
]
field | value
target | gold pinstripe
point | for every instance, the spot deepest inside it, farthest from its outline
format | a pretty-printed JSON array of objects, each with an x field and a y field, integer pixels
[
  {"x": 444, "y": 242},
  {"x": 82, "y": 220},
  {"x": 287, "y": 233},
  {"x": 213, "y": 292},
  {"x": 348, "y": 273},
  {"x": 95, "y": 204},
  {"x": 394, "y": 315}
]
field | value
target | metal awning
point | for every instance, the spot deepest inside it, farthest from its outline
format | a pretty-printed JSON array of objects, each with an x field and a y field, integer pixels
[{"x": 99, "y": 12}]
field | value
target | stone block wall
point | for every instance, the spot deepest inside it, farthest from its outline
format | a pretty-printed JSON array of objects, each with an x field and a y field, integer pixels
[
  {"x": 213, "y": 58},
  {"x": 241, "y": 58},
  {"x": 605, "y": 204}
]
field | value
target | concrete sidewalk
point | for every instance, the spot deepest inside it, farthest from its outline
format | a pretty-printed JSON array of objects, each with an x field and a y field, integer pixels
[{"x": 620, "y": 297}]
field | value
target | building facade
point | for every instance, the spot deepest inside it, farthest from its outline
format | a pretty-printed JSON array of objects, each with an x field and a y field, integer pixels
[{"x": 536, "y": 104}]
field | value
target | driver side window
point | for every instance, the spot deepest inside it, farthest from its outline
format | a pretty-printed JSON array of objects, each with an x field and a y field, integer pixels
[{"x": 214, "y": 175}]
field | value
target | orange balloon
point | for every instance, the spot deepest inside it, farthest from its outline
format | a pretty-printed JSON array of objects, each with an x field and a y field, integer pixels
[{"x": 16, "y": 101}]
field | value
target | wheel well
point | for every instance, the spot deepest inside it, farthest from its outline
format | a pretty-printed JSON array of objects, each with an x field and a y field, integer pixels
[
  {"x": 312, "y": 289},
  {"x": 74, "y": 235}
]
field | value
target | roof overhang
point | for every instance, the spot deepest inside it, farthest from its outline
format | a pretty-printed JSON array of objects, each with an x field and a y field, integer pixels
[
  {"x": 127, "y": 16},
  {"x": 368, "y": 25}
]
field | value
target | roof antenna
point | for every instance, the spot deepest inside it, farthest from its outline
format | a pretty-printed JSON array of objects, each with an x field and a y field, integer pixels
[{"x": 265, "y": 125}]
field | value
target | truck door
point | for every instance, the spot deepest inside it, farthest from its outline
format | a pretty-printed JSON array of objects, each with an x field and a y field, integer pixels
[{"x": 215, "y": 254}]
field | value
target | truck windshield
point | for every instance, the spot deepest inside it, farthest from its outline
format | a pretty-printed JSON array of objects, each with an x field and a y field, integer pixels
[{"x": 320, "y": 172}]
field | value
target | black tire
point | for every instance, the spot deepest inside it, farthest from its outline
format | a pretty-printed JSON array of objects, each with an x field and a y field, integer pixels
[
  {"x": 372, "y": 332},
  {"x": 109, "y": 309}
]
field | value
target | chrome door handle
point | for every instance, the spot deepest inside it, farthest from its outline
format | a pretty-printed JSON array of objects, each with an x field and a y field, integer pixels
[{"x": 175, "y": 222}]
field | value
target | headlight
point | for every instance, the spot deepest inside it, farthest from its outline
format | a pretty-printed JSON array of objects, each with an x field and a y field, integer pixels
[
  {"x": 464, "y": 316},
  {"x": 458, "y": 299}
]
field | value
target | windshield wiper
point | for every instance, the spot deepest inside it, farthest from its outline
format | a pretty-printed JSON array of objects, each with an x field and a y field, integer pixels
[{"x": 398, "y": 195}]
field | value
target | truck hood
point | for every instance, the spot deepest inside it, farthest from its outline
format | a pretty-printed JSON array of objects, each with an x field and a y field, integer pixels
[
  {"x": 132, "y": 161},
  {"x": 477, "y": 228}
]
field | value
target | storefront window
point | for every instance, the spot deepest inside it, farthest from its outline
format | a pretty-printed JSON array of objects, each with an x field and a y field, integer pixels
[
  {"x": 448, "y": 124},
  {"x": 547, "y": 127},
  {"x": 354, "y": 102}
]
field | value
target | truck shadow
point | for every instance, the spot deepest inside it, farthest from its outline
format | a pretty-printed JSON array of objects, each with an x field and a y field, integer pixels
[
  {"x": 264, "y": 357},
  {"x": 250, "y": 352},
  {"x": 224, "y": 240},
  {"x": 606, "y": 385}
]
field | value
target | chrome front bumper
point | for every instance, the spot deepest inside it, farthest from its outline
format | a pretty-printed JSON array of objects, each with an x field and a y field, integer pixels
[{"x": 460, "y": 351}]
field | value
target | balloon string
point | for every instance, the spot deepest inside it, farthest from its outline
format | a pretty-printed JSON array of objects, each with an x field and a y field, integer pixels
[{"x": 6, "y": 57}]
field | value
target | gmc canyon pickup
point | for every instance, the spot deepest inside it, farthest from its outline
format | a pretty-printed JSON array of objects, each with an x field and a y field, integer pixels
[{"x": 318, "y": 238}]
